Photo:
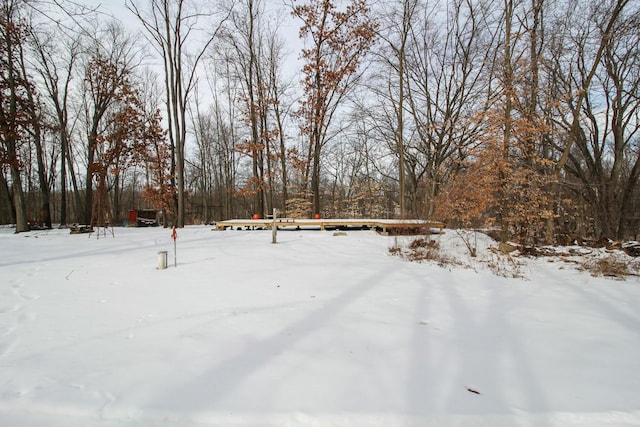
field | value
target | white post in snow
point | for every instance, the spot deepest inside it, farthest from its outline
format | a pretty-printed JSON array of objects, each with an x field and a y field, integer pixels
[
  {"x": 162, "y": 260},
  {"x": 274, "y": 229}
]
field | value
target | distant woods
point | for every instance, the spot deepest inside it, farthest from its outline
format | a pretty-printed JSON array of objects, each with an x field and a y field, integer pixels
[{"x": 518, "y": 115}]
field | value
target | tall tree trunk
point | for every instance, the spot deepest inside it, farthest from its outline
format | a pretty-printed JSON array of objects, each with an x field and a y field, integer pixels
[
  {"x": 77, "y": 196},
  {"x": 408, "y": 9},
  {"x": 508, "y": 108},
  {"x": 63, "y": 183},
  {"x": 18, "y": 200},
  {"x": 87, "y": 208},
  {"x": 315, "y": 176},
  {"x": 11, "y": 123},
  {"x": 45, "y": 193},
  {"x": 36, "y": 133},
  {"x": 283, "y": 154},
  {"x": 5, "y": 193}
]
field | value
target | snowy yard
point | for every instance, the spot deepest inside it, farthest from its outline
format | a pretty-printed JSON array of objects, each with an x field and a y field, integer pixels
[{"x": 316, "y": 330}]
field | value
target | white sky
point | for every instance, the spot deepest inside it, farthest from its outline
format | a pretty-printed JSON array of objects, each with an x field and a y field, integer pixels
[{"x": 288, "y": 27}]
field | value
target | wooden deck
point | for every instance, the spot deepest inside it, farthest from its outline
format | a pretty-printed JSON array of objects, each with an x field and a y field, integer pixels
[{"x": 381, "y": 225}]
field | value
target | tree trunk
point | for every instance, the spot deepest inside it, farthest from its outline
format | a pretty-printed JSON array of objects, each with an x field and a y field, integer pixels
[
  {"x": 315, "y": 178},
  {"x": 36, "y": 133},
  {"x": 506, "y": 142},
  {"x": 45, "y": 193},
  {"x": 5, "y": 193},
  {"x": 283, "y": 157},
  {"x": 78, "y": 211},
  {"x": 63, "y": 183},
  {"x": 18, "y": 200},
  {"x": 88, "y": 179}
]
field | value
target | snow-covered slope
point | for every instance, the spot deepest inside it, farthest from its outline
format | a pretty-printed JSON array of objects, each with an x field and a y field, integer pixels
[{"x": 316, "y": 330}]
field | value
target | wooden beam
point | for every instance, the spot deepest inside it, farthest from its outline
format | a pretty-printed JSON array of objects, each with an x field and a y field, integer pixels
[{"x": 384, "y": 224}]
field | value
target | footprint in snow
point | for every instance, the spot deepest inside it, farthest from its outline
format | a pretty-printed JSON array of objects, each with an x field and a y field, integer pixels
[
  {"x": 29, "y": 296},
  {"x": 108, "y": 400},
  {"x": 7, "y": 330},
  {"x": 27, "y": 316},
  {"x": 6, "y": 309},
  {"x": 7, "y": 347}
]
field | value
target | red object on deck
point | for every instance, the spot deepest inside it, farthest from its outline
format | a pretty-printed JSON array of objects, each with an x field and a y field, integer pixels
[
  {"x": 317, "y": 216},
  {"x": 133, "y": 216},
  {"x": 256, "y": 216}
]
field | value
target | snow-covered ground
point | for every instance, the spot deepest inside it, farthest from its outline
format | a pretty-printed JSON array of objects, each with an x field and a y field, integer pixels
[{"x": 316, "y": 330}]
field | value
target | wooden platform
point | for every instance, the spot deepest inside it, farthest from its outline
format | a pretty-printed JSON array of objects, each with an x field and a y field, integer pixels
[{"x": 382, "y": 225}]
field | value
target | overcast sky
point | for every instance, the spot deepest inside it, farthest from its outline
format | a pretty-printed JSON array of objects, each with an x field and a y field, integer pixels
[{"x": 288, "y": 25}]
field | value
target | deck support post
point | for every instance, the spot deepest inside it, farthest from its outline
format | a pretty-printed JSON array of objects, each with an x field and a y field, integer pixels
[{"x": 274, "y": 227}]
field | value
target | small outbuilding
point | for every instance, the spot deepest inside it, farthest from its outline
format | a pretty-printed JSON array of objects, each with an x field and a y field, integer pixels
[{"x": 143, "y": 218}]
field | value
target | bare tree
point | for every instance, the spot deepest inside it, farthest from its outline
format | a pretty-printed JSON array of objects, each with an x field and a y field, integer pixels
[
  {"x": 226, "y": 90},
  {"x": 277, "y": 88},
  {"x": 396, "y": 32},
  {"x": 447, "y": 65},
  {"x": 36, "y": 131},
  {"x": 601, "y": 150},
  {"x": 204, "y": 130},
  {"x": 338, "y": 42},
  {"x": 15, "y": 114},
  {"x": 607, "y": 16},
  {"x": 55, "y": 60},
  {"x": 256, "y": 53},
  {"x": 172, "y": 27},
  {"x": 107, "y": 71},
  {"x": 246, "y": 37}
]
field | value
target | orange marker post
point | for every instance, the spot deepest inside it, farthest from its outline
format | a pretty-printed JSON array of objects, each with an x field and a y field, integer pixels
[{"x": 174, "y": 236}]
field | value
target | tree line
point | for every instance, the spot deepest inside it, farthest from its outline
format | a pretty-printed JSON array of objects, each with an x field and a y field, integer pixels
[{"x": 520, "y": 115}]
